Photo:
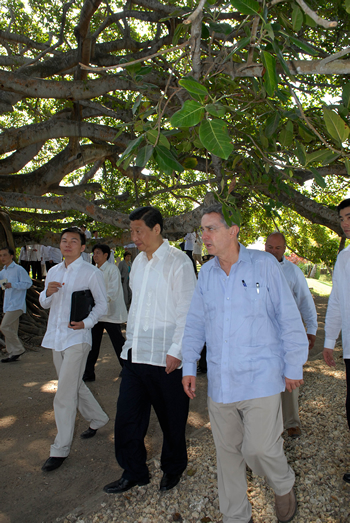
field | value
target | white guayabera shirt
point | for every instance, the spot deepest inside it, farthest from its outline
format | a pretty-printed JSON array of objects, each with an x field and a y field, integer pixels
[{"x": 162, "y": 290}]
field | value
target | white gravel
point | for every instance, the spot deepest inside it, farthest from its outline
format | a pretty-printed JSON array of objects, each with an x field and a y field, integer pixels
[{"x": 319, "y": 458}]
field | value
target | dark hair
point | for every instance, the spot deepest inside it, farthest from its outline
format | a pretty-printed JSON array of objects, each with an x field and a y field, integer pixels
[
  {"x": 126, "y": 253},
  {"x": 343, "y": 205},
  {"x": 11, "y": 251},
  {"x": 93, "y": 232},
  {"x": 76, "y": 230},
  {"x": 150, "y": 215},
  {"x": 103, "y": 247}
]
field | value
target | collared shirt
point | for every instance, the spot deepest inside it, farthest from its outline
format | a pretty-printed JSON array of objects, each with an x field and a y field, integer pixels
[
  {"x": 23, "y": 255},
  {"x": 189, "y": 241},
  {"x": 302, "y": 295},
  {"x": 15, "y": 297},
  {"x": 55, "y": 255},
  {"x": 338, "y": 310},
  {"x": 251, "y": 325},
  {"x": 162, "y": 289},
  {"x": 78, "y": 276},
  {"x": 34, "y": 253},
  {"x": 117, "y": 312}
]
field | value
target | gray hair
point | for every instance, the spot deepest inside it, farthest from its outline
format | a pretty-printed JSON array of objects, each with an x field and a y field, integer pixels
[{"x": 217, "y": 208}]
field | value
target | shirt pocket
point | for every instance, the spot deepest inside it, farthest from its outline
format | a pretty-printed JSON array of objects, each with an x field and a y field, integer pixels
[{"x": 210, "y": 308}]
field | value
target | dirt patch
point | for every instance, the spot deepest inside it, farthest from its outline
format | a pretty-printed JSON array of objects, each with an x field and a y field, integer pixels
[{"x": 27, "y": 428}]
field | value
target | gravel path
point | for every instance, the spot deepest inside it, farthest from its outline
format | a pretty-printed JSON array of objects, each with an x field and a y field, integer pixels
[{"x": 319, "y": 458}]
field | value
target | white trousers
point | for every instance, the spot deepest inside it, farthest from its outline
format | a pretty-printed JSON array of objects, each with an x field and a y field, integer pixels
[
  {"x": 290, "y": 408},
  {"x": 248, "y": 432},
  {"x": 9, "y": 328},
  {"x": 72, "y": 393}
]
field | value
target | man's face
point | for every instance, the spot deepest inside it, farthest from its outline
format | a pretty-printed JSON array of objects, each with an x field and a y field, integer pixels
[
  {"x": 216, "y": 236},
  {"x": 71, "y": 246},
  {"x": 5, "y": 257},
  {"x": 275, "y": 245},
  {"x": 344, "y": 216},
  {"x": 100, "y": 257},
  {"x": 144, "y": 238}
]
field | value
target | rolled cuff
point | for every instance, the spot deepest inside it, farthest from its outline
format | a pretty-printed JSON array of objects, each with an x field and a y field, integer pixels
[
  {"x": 293, "y": 372},
  {"x": 189, "y": 369},
  {"x": 329, "y": 343},
  {"x": 175, "y": 350}
]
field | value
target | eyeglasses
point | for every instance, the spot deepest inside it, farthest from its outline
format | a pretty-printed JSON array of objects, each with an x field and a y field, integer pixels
[{"x": 211, "y": 228}]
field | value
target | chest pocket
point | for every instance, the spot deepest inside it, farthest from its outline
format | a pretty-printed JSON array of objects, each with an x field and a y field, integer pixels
[{"x": 210, "y": 309}]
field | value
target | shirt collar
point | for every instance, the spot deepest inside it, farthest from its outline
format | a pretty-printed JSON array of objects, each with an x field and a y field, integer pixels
[
  {"x": 104, "y": 266},
  {"x": 282, "y": 262},
  {"x": 74, "y": 265},
  {"x": 160, "y": 252},
  {"x": 243, "y": 256},
  {"x": 12, "y": 264}
]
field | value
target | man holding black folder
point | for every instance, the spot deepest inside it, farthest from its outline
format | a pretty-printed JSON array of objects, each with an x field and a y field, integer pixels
[{"x": 78, "y": 283}]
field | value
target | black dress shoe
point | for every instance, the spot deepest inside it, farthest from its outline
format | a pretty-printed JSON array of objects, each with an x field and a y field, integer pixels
[
  {"x": 169, "y": 481},
  {"x": 89, "y": 433},
  {"x": 86, "y": 377},
  {"x": 122, "y": 485},
  {"x": 346, "y": 478},
  {"x": 52, "y": 463},
  {"x": 11, "y": 358}
]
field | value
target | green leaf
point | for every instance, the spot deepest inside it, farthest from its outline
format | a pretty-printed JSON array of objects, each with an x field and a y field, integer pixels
[
  {"x": 180, "y": 28},
  {"x": 225, "y": 29},
  {"x": 216, "y": 109},
  {"x": 300, "y": 152},
  {"x": 303, "y": 45},
  {"x": 144, "y": 155},
  {"x": 323, "y": 156},
  {"x": 136, "y": 104},
  {"x": 240, "y": 45},
  {"x": 205, "y": 32},
  {"x": 305, "y": 134},
  {"x": 271, "y": 124},
  {"x": 318, "y": 178},
  {"x": 347, "y": 6},
  {"x": 193, "y": 87},
  {"x": 133, "y": 69},
  {"x": 130, "y": 148},
  {"x": 248, "y": 7},
  {"x": 346, "y": 93},
  {"x": 270, "y": 76},
  {"x": 162, "y": 140},
  {"x": 310, "y": 21},
  {"x": 336, "y": 126},
  {"x": 347, "y": 165},
  {"x": 297, "y": 18},
  {"x": 270, "y": 32},
  {"x": 215, "y": 138},
  {"x": 166, "y": 159},
  {"x": 190, "y": 163},
  {"x": 189, "y": 115},
  {"x": 286, "y": 135}
]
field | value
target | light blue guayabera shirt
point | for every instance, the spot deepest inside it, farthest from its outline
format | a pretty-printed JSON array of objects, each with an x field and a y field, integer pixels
[
  {"x": 252, "y": 327},
  {"x": 15, "y": 298}
]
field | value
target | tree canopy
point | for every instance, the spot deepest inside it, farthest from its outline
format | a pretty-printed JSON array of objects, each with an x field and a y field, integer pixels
[{"x": 107, "y": 105}]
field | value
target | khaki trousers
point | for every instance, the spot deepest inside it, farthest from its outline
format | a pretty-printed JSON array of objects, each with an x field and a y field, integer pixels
[
  {"x": 290, "y": 408},
  {"x": 248, "y": 432},
  {"x": 72, "y": 393},
  {"x": 9, "y": 328}
]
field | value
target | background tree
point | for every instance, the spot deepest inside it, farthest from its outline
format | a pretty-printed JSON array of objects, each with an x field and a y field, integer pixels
[{"x": 108, "y": 105}]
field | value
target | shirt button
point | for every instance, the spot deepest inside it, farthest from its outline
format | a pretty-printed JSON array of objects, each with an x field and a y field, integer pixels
[{"x": 227, "y": 298}]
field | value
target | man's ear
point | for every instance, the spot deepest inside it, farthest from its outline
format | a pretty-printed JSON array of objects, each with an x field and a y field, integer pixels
[
  {"x": 234, "y": 230},
  {"x": 156, "y": 228},
  {"x": 83, "y": 248}
]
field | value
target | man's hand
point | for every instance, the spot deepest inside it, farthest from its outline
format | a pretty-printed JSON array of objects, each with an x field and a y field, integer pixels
[
  {"x": 8, "y": 285},
  {"x": 293, "y": 384},
  {"x": 189, "y": 385},
  {"x": 53, "y": 287},
  {"x": 328, "y": 357},
  {"x": 76, "y": 325},
  {"x": 172, "y": 363},
  {"x": 312, "y": 339}
]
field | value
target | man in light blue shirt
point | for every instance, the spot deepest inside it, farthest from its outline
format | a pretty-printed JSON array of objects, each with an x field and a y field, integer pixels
[
  {"x": 256, "y": 347},
  {"x": 14, "y": 306}
]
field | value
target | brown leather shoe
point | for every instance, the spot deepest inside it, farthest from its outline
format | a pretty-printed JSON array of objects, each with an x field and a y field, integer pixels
[
  {"x": 286, "y": 507},
  {"x": 294, "y": 432}
]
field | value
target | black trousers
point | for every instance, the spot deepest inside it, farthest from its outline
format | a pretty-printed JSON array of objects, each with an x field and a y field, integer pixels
[
  {"x": 36, "y": 270},
  {"x": 116, "y": 337},
  {"x": 347, "y": 403},
  {"x": 144, "y": 386},
  {"x": 189, "y": 254}
]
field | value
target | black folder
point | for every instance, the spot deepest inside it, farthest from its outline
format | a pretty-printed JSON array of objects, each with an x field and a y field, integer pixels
[{"x": 81, "y": 306}]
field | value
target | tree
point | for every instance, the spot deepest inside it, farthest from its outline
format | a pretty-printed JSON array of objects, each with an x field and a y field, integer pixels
[{"x": 110, "y": 104}]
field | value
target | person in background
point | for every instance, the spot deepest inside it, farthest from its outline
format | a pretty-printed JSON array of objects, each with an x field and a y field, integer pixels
[
  {"x": 244, "y": 310},
  {"x": 189, "y": 244},
  {"x": 14, "y": 305},
  {"x": 276, "y": 245},
  {"x": 162, "y": 283},
  {"x": 70, "y": 342},
  {"x": 197, "y": 248},
  {"x": 117, "y": 314},
  {"x": 125, "y": 268},
  {"x": 55, "y": 256},
  {"x": 338, "y": 310},
  {"x": 24, "y": 259},
  {"x": 86, "y": 232},
  {"x": 35, "y": 261}
]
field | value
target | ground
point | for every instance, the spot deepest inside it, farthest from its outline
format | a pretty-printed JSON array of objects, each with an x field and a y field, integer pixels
[{"x": 27, "y": 428}]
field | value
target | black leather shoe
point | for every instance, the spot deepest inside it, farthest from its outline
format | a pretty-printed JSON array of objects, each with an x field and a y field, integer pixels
[
  {"x": 346, "y": 478},
  {"x": 86, "y": 377},
  {"x": 169, "y": 481},
  {"x": 122, "y": 485},
  {"x": 52, "y": 463},
  {"x": 89, "y": 433},
  {"x": 11, "y": 358}
]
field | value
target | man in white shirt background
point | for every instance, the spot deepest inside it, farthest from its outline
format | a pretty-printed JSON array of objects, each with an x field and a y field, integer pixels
[
  {"x": 14, "y": 305},
  {"x": 276, "y": 245},
  {"x": 71, "y": 342},
  {"x": 162, "y": 282},
  {"x": 338, "y": 310},
  {"x": 116, "y": 315}
]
